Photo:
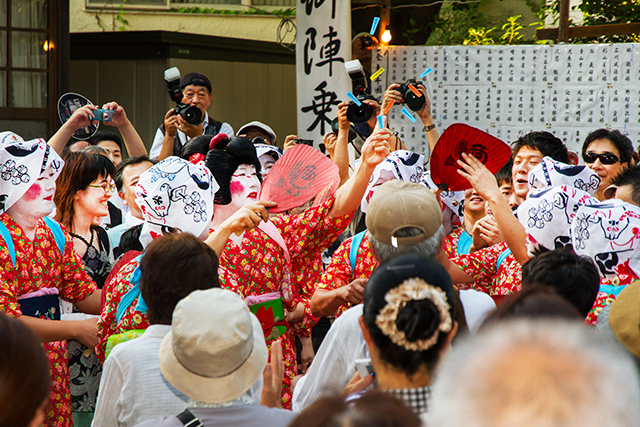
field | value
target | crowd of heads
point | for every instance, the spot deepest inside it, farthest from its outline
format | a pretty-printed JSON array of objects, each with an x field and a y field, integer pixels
[{"x": 533, "y": 361}]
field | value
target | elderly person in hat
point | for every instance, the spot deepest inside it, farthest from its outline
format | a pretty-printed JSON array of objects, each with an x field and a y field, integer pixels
[
  {"x": 214, "y": 353},
  {"x": 38, "y": 263},
  {"x": 175, "y": 131},
  {"x": 342, "y": 284}
]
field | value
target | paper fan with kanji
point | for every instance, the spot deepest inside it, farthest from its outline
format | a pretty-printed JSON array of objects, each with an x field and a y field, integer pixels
[
  {"x": 461, "y": 138},
  {"x": 301, "y": 174}
]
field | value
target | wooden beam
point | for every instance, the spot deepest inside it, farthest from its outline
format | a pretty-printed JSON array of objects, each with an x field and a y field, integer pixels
[
  {"x": 590, "y": 31},
  {"x": 563, "y": 24}
]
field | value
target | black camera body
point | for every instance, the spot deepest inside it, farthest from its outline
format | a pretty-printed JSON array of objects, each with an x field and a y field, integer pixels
[
  {"x": 190, "y": 113},
  {"x": 414, "y": 102},
  {"x": 335, "y": 127}
]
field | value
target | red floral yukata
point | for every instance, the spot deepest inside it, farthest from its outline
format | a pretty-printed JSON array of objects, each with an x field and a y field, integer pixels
[
  {"x": 260, "y": 267},
  {"x": 305, "y": 275},
  {"x": 339, "y": 271},
  {"x": 603, "y": 299},
  {"x": 482, "y": 265},
  {"x": 114, "y": 290},
  {"x": 451, "y": 251},
  {"x": 39, "y": 264}
]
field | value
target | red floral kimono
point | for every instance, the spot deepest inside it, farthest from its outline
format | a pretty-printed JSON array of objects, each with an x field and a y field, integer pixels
[
  {"x": 339, "y": 272},
  {"x": 493, "y": 266},
  {"x": 260, "y": 267},
  {"x": 39, "y": 264}
]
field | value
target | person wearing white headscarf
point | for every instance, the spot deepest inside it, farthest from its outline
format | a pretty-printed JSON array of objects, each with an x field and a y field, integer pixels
[
  {"x": 175, "y": 195},
  {"x": 38, "y": 264}
]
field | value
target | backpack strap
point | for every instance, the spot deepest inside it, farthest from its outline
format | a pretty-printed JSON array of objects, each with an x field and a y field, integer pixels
[
  {"x": 502, "y": 257},
  {"x": 464, "y": 243},
  {"x": 4, "y": 233},
  {"x": 188, "y": 419},
  {"x": 57, "y": 232},
  {"x": 355, "y": 245}
]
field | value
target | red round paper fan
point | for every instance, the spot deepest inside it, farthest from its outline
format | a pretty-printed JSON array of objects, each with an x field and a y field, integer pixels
[
  {"x": 301, "y": 174},
  {"x": 460, "y": 138}
]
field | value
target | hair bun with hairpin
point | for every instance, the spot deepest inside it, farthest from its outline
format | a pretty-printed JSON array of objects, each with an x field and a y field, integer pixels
[{"x": 216, "y": 140}]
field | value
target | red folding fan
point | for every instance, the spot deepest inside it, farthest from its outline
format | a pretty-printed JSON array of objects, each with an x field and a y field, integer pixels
[
  {"x": 302, "y": 174},
  {"x": 460, "y": 138}
]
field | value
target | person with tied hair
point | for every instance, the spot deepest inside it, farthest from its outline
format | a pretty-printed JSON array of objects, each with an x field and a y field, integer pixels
[
  {"x": 24, "y": 376},
  {"x": 38, "y": 264},
  {"x": 260, "y": 261},
  {"x": 543, "y": 373},
  {"x": 408, "y": 323}
]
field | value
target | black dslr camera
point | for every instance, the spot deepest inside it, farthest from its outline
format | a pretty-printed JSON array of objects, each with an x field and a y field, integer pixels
[
  {"x": 190, "y": 113},
  {"x": 358, "y": 113},
  {"x": 411, "y": 99}
]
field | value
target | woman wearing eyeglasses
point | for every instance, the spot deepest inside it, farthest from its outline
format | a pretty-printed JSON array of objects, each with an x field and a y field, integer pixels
[
  {"x": 83, "y": 189},
  {"x": 607, "y": 153}
]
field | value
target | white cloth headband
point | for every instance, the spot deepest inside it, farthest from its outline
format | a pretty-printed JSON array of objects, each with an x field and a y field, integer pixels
[
  {"x": 547, "y": 214},
  {"x": 175, "y": 194},
  {"x": 551, "y": 173},
  {"x": 404, "y": 165},
  {"x": 21, "y": 164},
  {"x": 609, "y": 233}
]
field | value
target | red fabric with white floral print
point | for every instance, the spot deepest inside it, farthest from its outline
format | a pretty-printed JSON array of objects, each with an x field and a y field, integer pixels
[{"x": 39, "y": 264}]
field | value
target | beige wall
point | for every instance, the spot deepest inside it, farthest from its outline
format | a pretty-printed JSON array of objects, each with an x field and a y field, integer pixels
[
  {"x": 256, "y": 27},
  {"x": 242, "y": 91}
]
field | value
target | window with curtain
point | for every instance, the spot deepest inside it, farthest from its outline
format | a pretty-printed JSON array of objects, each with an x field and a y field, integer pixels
[{"x": 25, "y": 63}]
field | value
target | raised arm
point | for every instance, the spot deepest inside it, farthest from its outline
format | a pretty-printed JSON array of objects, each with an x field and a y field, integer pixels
[
  {"x": 425, "y": 116},
  {"x": 374, "y": 151},
  {"x": 133, "y": 142},
  {"x": 341, "y": 149},
  {"x": 80, "y": 118},
  {"x": 246, "y": 218},
  {"x": 485, "y": 183}
]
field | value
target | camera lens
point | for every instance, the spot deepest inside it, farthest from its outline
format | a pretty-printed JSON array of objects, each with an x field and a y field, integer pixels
[
  {"x": 192, "y": 115},
  {"x": 359, "y": 114},
  {"x": 414, "y": 102}
]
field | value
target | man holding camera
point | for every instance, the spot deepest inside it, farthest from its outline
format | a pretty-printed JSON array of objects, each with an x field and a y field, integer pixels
[{"x": 176, "y": 131}]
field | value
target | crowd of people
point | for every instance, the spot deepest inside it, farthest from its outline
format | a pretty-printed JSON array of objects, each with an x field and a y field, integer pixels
[{"x": 160, "y": 290}]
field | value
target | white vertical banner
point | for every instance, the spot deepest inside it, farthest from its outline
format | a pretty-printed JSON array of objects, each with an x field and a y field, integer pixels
[{"x": 323, "y": 45}]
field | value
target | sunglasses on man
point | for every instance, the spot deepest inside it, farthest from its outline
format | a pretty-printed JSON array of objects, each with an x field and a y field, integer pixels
[{"x": 605, "y": 158}]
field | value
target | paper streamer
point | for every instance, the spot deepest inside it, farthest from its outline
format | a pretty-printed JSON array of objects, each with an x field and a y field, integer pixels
[
  {"x": 408, "y": 114},
  {"x": 388, "y": 107},
  {"x": 381, "y": 121},
  {"x": 354, "y": 99},
  {"x": 377, "y": 74},
  {"x": 426, "y": 72},
  {"x": 414, "y": 90},
  {"x": 374, "y": 25}
]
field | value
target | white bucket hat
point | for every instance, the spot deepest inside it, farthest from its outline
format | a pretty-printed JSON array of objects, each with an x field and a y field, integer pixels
[{"x": 215, "y": 351}]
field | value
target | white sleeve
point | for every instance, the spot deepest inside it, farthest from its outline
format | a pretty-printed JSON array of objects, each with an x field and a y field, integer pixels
[
  {"x": 333, "y": 366},
  {"x": 156, "y": 147},
  {"x": 111, "y": 385},
  {"x": 226, "y": 129}
]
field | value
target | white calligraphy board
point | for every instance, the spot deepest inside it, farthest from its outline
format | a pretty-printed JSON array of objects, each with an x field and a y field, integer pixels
[
  {"x": 323, "y": 45},
  {"x": 508, "y": 91}
]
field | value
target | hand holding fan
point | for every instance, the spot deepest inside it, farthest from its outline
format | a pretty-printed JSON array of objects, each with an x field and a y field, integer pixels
[
  {"x": 461, "y": 138},
  {"x": 300, "y": 175}
]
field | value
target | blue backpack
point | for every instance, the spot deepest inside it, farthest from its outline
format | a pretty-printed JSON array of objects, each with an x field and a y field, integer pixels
[{"x": 52, "y": 224}]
